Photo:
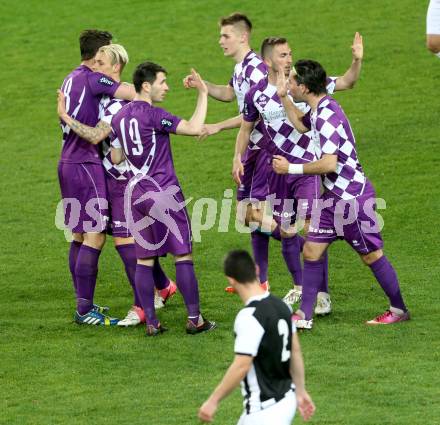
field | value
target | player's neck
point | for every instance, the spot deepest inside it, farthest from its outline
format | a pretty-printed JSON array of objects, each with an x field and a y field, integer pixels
[
  {"x": 272, "y": 77},
  {"x": 88, "y": 63},
  {"x": 143, "y": 97},
  {"x": 242, "y": 53},
  {"x": 250, "y": 290},
  {"x": 313, "y": 100}
]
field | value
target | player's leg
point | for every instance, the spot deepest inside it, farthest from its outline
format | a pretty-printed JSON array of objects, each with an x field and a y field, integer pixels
[
  {"x": 387, "y": 278},
  {"x": 313, "y": 275},
  {"x": 364, "y": 237},
  {"x": 188, "y": 286},
  {"x": 433, "y": 27},
  {"x": 75, "y": 245}
]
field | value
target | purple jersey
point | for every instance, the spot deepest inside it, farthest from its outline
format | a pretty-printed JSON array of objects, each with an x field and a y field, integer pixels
[
  {"x": 281, "y": 137},
  {"x": 83, "y": 90},
  {"x": 108, "y": 107},
  {"x": 247, "y": 73},
  {"x": 332, "y": 135},
  {"x": 142, "y": 130}
]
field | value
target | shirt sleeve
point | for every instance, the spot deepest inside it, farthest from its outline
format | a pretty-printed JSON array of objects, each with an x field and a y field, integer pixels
[
  {"x": 254, "y": 74},
  {"x": 331, "y": 84},
  {"x": 231, "y": 81},
  {"x": 248, "y": 332},
  {"x": 101, "y": 84},
  {"x": 250, "y": 112},
  {"x": 166, "y": 122},
  {"x": 327, "y": 126},
  {"x": 306, "y": 120}
]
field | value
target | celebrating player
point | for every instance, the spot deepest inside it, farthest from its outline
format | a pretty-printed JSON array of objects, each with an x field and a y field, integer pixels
[
  {"x": 433, "y": 27},
  {"x": 81, "y": 175},
  {"x": 143, "y": 129},
  {"x": 111, "y": 60},
  {"x": 347, "y": 193},
  {"x": 235, "y": 31},
  {"x": 268, "y": 360},
  {"x": 262, "y": 102}
]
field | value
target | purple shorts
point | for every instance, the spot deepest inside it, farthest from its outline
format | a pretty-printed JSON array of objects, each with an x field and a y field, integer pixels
[
  {"x": 84, "y": 194},
  {"x": 159, "y": 223},
  {"x": 117, "y": 226},
  {"x": 254, "y": 182},
  {"x": 353, "y": 220},
  {"x": 293, "y": 195}
]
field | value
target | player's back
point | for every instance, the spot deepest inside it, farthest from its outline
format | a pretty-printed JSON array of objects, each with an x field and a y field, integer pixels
[
  {"x": 269, "y": 377},
  {"x": 143, "y": 130},
  {"x": 83, "y": 89}
]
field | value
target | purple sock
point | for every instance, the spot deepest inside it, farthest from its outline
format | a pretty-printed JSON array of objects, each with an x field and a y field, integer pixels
[
  {"x": 324, "y": 283},
  {"x": 86, "y": 270},
  {"x": 260, "y": 247},
  {"x": 128, "y": 256},
  {"x": 186, "y": 282},
  {"x": 312, "y": 280},
  {"x": 73, "y": 256},
  {"x": 302, "y": 241},
  {"x": 290, "y": 248},
  {"x": 145, "y": 290},
  {"x": 387, "y": 278},
  {"x": 161, "y": 280},
  {"x": 276, "y": 233}
]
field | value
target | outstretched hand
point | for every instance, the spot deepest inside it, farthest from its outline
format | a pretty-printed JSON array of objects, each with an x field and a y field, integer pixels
[
  {"x": 282, "y": 88},
  {"x": 194, "y": 81},
  {"x": 357, "y": 48},
  {"x": 208, "y": 130}
]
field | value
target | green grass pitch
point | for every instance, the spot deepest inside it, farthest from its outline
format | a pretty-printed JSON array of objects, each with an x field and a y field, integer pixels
[{"x": 54, "y": 372}]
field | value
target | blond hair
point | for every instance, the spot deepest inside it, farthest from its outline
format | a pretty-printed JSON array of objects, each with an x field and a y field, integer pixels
[{"x": 116, "y": 53}]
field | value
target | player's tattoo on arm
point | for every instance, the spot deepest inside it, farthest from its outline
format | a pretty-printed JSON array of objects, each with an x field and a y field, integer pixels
[{"x": 93, "y": 134}]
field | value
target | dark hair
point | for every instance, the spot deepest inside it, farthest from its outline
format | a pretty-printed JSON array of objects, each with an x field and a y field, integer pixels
[
  {"x": 240, "y": 266},
  {"x": 312, "y": 75},
  {"x": 269, "y": 43},
  {"x": 146, "y": 72},
  {"x": 91, "y": 40},
  {"x": 237, "y": 18}
]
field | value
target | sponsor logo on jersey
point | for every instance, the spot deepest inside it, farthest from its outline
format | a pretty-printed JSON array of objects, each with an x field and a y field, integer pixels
[
  {"x": 106, "y": 81},
  {"x": 166, "y": 123},
  {"x": 262, "y": 100}
]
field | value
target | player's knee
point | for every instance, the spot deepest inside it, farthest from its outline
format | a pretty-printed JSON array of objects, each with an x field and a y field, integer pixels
[
  {"x": 287, "y": 233},
  {"x": 95, "y": 240},
  {"x": 372, "y": 257},
  {"x": 185, "y": 257},
  {"x": 310, "y": 253},
  {"x": 433, "y": 43}
]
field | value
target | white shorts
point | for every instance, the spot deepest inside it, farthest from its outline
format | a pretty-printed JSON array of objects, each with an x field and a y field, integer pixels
[
  {"x": 433, "y": 17},
  {"x": 280, "y": 413}
]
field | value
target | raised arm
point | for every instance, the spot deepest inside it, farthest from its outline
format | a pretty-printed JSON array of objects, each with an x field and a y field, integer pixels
[
  {"x": 92, "y": 134},
  {"x": 233, "y": 376},
  {"x": 294, "y": 115},
  {"x": 193, "y": 127},
  {"x": 348, "y": 80},
  {"x": 125, "y": 91},
  {"x": 224, "y": 93},
  {"x": 210, "y": 129},
  {"x": 305, "y": 404}
]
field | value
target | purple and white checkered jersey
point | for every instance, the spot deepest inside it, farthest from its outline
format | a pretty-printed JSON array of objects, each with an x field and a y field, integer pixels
[
  {"x": 247, "y": 73},
  {"x": 280, "y": 136},
  {"x": 83, "y": 90},
  {"x": 332, "y": 134},
  {"x": 142, "y": 130},
  {"x": 108, "y": 107}
]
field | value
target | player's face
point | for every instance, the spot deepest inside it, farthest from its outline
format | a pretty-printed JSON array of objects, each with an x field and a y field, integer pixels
[
  {"x": 282, "y": 59},
  {"x": 296, "y": 90},
  {"x": 230, "y": 40},
  {"x": 159, "y": 88},
  {"x": 102, "y": 64}
]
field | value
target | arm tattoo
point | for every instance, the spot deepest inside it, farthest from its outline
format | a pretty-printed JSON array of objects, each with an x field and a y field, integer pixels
[{"x": 92, "y": 134}]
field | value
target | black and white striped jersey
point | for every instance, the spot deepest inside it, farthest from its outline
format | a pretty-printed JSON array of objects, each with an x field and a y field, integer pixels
[{"x": 263, "y": 330}]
